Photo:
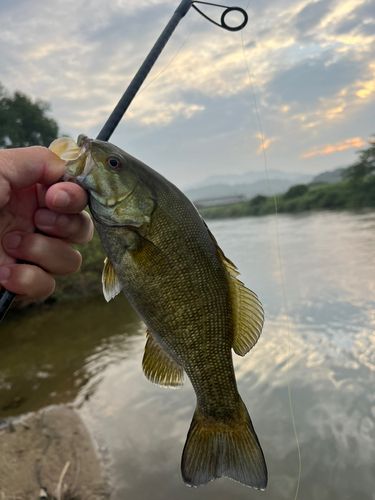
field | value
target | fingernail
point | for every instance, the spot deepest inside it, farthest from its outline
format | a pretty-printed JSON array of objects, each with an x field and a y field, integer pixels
[
  {"x": 61, "y": 199},
  {"x": 45, "y": 218},
  {"x": 12, "y": 241},
  {"x": 4, "y": 273}
]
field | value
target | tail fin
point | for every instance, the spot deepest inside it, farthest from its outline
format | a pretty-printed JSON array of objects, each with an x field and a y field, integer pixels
[{"x": 215, "y": 449}]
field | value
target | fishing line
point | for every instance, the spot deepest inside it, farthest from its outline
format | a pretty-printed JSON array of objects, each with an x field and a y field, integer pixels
[
  {"x": 276, "y": 221},
  {"x": 171, "y": 61},
  {"x": 279, "y": 256}
]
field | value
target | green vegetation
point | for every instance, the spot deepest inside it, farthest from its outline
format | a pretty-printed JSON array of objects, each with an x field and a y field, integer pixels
[
  {"x": 24, "y": 123},
  {"x": 296, "y": 191},
  {"x": 87, "y": 282},
  {"x": 356, "y": 191}
]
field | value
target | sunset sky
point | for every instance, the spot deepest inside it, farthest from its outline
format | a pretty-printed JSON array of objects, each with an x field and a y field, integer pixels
[{"x": 312, "y": 67}]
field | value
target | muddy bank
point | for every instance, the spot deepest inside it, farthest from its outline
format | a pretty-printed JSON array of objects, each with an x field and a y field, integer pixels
[{"x": 53, "y": 450}]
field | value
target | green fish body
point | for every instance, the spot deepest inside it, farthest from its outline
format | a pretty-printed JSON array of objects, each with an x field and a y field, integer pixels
[{"x": 161, "y": 254}]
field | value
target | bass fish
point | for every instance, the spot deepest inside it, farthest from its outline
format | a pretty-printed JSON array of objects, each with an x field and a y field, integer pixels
[{"x": 164, "y": 258}]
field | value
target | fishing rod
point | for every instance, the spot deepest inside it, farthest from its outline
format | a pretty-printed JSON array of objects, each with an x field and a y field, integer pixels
[
  {"x": 6, "y": 297},
  {"x": 150, "y": 60}
]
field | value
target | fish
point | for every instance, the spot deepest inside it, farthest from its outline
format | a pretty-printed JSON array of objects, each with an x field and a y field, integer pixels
[{"x": 164, "y": 258}]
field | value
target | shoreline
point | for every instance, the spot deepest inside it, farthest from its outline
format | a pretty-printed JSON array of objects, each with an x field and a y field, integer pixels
[{"x": 50, "y": 452}]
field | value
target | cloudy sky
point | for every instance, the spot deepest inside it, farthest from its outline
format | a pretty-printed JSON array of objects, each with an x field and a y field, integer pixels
[{"x": 312, "y": 66}]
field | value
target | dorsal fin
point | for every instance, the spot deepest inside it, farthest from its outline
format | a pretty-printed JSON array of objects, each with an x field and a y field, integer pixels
[
  {"x": 111, "y": 283},
  {"x": 247, "y": 309},
  {"x": 159, "y": 367}
]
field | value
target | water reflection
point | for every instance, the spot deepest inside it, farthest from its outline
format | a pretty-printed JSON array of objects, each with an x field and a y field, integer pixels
[
  {"x": 48, "y": 357},
  {"x": 93, "y": 353}
]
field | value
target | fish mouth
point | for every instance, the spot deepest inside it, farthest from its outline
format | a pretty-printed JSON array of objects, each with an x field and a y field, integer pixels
[
  {"x": 109, "y": 202},
  {"x": 79, "y": 167}
]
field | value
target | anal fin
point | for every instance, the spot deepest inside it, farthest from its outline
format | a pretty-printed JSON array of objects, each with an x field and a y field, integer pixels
[{"x": 159, "y": 367}]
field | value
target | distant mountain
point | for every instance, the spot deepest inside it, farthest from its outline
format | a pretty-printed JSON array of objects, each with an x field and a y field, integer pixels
[
  {"x": 251, "y": 177},
  {"x": 251, "y": 184},
  {"x": 330, "y": 177},
  {"x": 247, "y": 190}
]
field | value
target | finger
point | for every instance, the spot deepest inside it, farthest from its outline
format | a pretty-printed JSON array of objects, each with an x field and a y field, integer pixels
[
  {"x": 71, "y": 228},
  {"x": 23, "y": 167},
  {"x": 29, "y": 282},
  {"x": 53, "y": 255},
  {"x": 66, "y": 197}
]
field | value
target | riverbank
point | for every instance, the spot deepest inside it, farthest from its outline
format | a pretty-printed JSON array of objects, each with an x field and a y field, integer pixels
[
  {"x": 49, "y": 453},
  {"x": 301, "y": 198}
]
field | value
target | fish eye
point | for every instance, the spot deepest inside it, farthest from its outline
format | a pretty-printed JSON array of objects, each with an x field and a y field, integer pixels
[{"x": 113, "y": 162}]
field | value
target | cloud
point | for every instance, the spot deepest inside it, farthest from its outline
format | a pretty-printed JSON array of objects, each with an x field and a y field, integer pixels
[
  {"x": 367, "y": 88},
  {"x": 342, "y": 11},
  {"x": 264, "y": 143},
  {"x": 310, "y": 64},
  {"x": 69, "y": 59},
  {"x": 311, "y": 15},
  {"x": 308, "y": 81},
  {"x": 355, "y": 142},
  {"x": 162, "y": 113}
]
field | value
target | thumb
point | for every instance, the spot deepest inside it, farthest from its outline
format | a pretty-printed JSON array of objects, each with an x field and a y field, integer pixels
[{"x": 24, "y": 167}]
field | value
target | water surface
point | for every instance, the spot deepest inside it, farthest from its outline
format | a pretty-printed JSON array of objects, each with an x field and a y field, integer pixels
[{"x": 91, "y": 353}]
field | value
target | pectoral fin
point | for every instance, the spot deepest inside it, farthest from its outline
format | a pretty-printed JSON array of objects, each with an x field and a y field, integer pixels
[
  {"x": 159, "y": 367},
  {"x": 111, "y": 284},
  {"x": 247, "y": 309}
]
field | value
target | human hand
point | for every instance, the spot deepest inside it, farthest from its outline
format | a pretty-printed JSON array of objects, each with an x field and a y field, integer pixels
[{"x": 30, "y": 199}]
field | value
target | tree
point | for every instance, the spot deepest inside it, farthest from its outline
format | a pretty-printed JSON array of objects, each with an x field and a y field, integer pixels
[
  {"x": 361, "y": 177},
  {"x": 363, "y": 169},
  {"x": 24, "y": 122},
  {"x": 257, "y": 200},
  {"x": 295, "y": 191}
]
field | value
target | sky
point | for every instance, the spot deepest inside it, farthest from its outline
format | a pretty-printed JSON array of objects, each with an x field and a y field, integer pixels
[{"x": 312, "y": 67}]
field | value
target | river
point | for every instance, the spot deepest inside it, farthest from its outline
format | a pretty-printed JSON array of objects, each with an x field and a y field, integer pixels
[{"x": 90, "y": 353}]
